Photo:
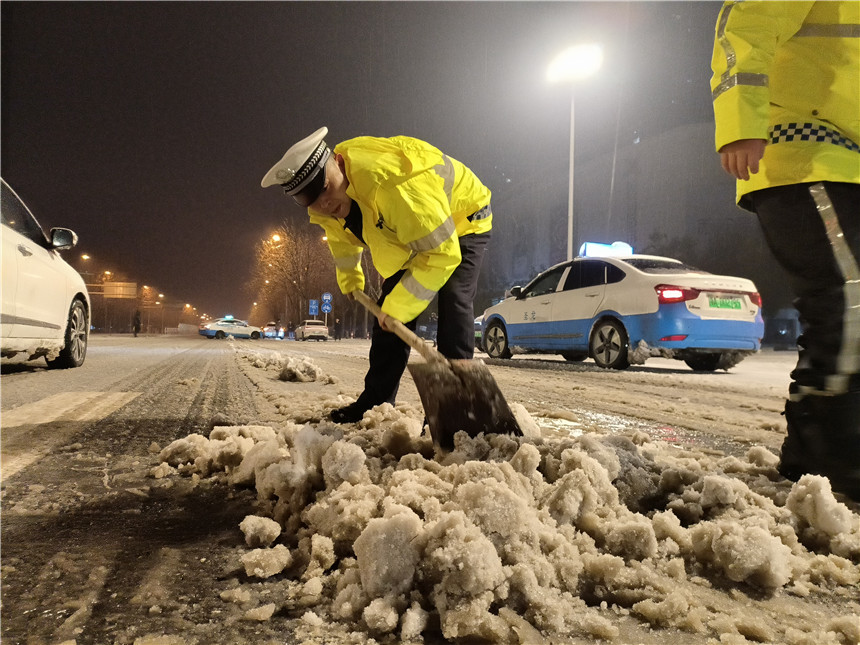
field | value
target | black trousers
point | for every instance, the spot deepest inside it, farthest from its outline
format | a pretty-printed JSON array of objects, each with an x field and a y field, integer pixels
[
  {"x": 456, "y": 331},
  {"x": 813, "y": 231}
]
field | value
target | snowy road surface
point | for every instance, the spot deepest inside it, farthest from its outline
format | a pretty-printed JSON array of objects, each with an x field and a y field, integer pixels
[{"x": 117, "y": 528}]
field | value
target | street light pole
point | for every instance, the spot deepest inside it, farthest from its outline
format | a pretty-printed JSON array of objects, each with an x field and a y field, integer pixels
[
  {"x": 570, "y": 185},
  {"x": 569, "y": 66}
]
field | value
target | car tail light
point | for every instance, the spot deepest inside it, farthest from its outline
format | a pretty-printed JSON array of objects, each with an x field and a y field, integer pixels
[
  {"x": 676, "y": 337},
  {"x": 755, "y": 298},
  {"x": 667, "y": 294}
]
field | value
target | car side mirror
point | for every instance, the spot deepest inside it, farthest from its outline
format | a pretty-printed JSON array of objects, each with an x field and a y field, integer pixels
[
  {"x": 516, "y": 292},
  {"x": 63, "y": 238}
]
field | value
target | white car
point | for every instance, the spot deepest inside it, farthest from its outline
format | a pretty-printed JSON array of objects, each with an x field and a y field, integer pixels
[
  {"x": 622, "y": 310},
  {"x": 312, "y": 329},
  {"x": 229, "y": 326},
  {"x": 45, "y": 304},
  {"x": 273, "y": 330}
]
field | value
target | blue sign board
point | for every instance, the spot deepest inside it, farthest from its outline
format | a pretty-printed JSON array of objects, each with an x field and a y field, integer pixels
[
  {"x": 326, "y": 307},
  {"x": 326, "y": 297},
  {"x": 314, "y": 307}
]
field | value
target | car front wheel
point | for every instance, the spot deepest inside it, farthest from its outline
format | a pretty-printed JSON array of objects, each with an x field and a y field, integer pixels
[
  {"x": 220, "y": 335},
  {"x": 255, "y": 335},
  {"x": 75, "y": 348},
  {"x": 496, "y": 341},
  {"x": 609, "y": 345}
]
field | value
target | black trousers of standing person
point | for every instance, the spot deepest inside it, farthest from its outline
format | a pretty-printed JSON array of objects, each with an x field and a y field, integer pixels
[
  {"x": 456, "y": 331},
  {"x": 813, "y": 231}
]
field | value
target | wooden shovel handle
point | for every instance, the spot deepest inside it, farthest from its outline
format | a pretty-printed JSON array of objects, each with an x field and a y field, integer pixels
[{"x": 402, "y": 331}]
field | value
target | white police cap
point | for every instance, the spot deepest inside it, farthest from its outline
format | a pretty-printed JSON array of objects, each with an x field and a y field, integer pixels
[{"x": 299, "y": 170}]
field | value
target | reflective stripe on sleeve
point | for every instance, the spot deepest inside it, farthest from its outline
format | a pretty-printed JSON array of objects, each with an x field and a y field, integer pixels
[
  {"x": 348, "y": 262},
  {"x": 433, "y": 239},
  {"x": 848, "y": 359},
  {"x": 744, "y": 78},
  {"x": 729, "y": 80},
  {"x": 446, "y": 171},
  {"x": 415, "y": 288}
]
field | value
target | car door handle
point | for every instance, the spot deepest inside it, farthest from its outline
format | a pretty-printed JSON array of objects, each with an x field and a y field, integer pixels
[
  {"x": 546, "y": 302},
  {"x": 591, "y": 295},
  {"x": 23, "y": 250}
]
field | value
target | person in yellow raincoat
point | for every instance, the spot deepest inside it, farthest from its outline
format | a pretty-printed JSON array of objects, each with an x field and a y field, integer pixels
[
  {"x": 424, "y": 217},
  {"x": 786, "y": 92}
]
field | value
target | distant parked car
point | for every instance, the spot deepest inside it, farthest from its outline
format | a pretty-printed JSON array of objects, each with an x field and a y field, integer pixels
[
  {"x": 45, "y": 304},
  {"x": 312, "y": 330},
  {"x": 783, "y": 329},
  {"x": 229, "y": 326},
  {"x": 273, "y": 330},
  {"x": 622, "y": 310}
]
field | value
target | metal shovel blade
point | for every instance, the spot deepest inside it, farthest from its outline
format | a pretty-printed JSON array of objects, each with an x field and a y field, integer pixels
[{"x": 461, "y": 395}]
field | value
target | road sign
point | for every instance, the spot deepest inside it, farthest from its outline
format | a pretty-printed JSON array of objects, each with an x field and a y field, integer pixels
[
  {"x": 122, "y": 290},
  {"x": 314, "y": 307},
  {"x": 326, "y": 297},
  {"x": 326, "y": 307}
]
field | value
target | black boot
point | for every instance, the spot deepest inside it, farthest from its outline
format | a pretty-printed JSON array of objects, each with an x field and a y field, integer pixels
[
  {"x": 348, "y": 414},
  {"x": 802, "y": 426},
  {"x": 824, "y": 439}
]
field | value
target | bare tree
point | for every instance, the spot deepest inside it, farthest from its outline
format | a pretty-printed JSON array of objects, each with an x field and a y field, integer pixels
[{"x": 295, "y": 266}]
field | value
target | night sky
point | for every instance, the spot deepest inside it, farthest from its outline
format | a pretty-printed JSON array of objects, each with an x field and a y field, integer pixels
[{"x": 147, "y": 127}]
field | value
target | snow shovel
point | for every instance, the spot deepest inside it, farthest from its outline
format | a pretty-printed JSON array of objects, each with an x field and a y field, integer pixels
[{"x": 458, "y": 394}]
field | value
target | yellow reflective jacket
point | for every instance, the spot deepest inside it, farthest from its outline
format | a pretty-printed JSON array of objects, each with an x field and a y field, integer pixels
[
  {"x": 789, "y": 73},
  {"x": 415, "y": 203}
]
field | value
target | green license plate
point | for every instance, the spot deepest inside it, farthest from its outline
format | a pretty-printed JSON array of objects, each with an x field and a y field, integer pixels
[{"x": 724, "y": 303}]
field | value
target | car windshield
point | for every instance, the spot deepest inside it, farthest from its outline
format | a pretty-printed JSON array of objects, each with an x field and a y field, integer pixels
[{"x": 651, "y": 265}]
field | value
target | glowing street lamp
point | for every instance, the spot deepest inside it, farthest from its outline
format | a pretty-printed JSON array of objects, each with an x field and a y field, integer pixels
[{"x": 571, "y": 65}]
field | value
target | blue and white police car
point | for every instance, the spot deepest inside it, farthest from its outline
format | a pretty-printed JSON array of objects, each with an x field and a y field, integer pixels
[
  {"x": 229, "y": 326},
  {"x": 620, "y": 308}
]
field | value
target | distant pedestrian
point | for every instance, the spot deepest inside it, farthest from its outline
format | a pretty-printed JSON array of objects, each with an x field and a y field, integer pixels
[
  {"x": 786, "y": 91},
  {"x": 135, "y": 325},
  {"x": 337, "y": 329}
]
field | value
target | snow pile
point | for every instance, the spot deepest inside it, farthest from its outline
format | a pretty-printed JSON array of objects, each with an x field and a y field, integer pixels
[
  {"x": 33, "y": 349},
  {"x": 236, "y": 450},
  {"x": 642, "y": 352},
  {"x": 290, "y": 368},
  {"x": 259, "y": 531},
  {"x": 521, "y": 539}
]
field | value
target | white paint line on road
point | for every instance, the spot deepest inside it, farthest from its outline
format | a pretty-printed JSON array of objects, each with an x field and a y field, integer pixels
[
  {"x": 67, "y": 406},
  {"x": 24, "y": 446}
]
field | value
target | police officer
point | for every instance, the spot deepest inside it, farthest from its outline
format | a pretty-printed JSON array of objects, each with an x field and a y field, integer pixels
[
  {"x": 786, "y": 90},
  {"x": 424, "y": 217}
]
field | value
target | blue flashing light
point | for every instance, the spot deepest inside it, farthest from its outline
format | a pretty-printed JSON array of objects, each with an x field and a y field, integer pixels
[{"x": 598, "y": 250}]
